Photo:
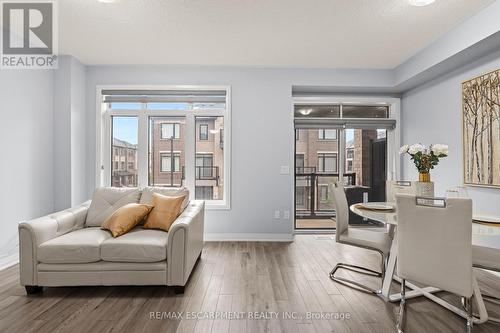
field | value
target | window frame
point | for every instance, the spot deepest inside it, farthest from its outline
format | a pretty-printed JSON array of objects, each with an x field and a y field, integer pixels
[
  {"x": 103, "y": 141},
  {"x": 393, "y": 160}
]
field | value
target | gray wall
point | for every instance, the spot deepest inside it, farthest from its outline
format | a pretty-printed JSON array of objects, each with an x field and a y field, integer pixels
[
  {"x": 27, "y": 161},
  {"x": 262, "y": 134},
  {"x": 432, "y": 114}
]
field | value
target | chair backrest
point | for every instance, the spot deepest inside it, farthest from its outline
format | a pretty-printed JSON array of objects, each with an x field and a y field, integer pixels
[
  {"x": 341, "y": 208},
  {"x": 394, "y": 187},
  {"x": 434, "y": 238}
]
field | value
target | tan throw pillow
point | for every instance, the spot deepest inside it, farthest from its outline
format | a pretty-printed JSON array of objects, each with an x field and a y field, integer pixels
[
  {"x": 165, "y": 211},
  {"x": 126, "y": 218}
]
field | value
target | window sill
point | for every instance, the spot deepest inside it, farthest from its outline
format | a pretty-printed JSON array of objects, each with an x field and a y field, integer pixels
[{"x": 217, "y": 205}]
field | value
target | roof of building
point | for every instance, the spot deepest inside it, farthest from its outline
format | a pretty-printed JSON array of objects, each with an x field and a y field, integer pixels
[{"x": 124, "y": 144}]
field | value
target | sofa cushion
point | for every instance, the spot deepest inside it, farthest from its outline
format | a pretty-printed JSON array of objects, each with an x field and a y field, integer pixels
[
  {"x": 107, "y": 200},
  {"x": 165, "y": 211},
  {"x": 125, "y": 218},
  {"x": 138, "y": 245},
  {"x": 147, "y": 194},
  {"x": 80, "y": 246}
]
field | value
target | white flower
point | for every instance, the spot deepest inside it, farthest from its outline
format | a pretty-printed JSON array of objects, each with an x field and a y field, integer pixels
[
  {"x": 404, "y": 149},
  {"x": 440, "y": 149},
  {"x": 416, "y": 148}
]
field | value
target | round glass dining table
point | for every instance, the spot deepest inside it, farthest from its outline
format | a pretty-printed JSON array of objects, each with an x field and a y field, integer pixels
[{"x": 385, "y": 217}]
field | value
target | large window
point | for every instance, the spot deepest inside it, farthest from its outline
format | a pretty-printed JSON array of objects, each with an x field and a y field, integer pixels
[{"x": 166, "y": 137}]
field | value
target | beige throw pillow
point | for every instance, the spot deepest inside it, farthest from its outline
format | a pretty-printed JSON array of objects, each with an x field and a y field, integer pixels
[
  {"x": 126, "y": 218},
  {"x": 165, "y": 211}
]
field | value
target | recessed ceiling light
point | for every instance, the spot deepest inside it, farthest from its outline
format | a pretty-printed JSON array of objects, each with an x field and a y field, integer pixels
[{"x": 421, "y": 3}]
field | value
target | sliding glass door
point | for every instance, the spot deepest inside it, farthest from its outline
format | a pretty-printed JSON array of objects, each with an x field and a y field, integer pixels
[{"x": 339, "y": 142}]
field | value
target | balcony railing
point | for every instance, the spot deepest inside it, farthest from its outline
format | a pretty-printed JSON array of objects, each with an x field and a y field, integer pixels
[
  {"x": 305, "y": 170},
  {"x": 205, "y": 173}
]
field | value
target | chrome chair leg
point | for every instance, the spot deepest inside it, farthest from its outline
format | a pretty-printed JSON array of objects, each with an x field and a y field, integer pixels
[
  {"x": 358, "y": 269},
  {"x": 402, "y": 308},
  {"x": 468, "y": 307}
]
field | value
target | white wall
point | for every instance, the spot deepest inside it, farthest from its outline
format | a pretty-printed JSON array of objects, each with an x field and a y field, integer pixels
[
  {"x": 70, "y": 144},
  {"x": 432, "y": 114},
  {"x": 262, "y": 135},
  {"x": 26, "y": 168},
  {"x": 78, "y": 133}
]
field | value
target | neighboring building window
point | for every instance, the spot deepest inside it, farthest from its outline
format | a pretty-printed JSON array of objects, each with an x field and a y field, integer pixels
[
  {"x": 327, "y": 134},
  {"x": 131, "y": 165},
  {"x": 203, "y": 132},
  {"x": 204, "y": 192},
  {"x": 350, "y": 153},
  {"x": 327, "y": 162},
  {"x": 204, "y": 166},
  {"x": 170, "y": 131},
  {"x": 323, "y": 193},
  {"x": 166, "y": 162},
  {"x": 299, "y": 196},
  {"x": 349, "y": 166},
  {"x": 299, "y": 162}
]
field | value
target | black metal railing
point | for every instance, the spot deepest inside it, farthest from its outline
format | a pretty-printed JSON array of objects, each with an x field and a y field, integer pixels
[
  {"x": 305, "y": 170},
  {"x": 204, "y": 173},
  {"x": 313, "y": 200}
]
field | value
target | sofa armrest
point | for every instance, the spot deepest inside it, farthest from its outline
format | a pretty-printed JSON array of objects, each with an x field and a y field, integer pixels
[
  {"x": 185, "y": 243},
  {"x": 37, "y": 231}
]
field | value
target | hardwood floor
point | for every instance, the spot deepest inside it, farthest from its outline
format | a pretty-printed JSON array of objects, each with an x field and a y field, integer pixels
[{"x": 233, "y": 277}]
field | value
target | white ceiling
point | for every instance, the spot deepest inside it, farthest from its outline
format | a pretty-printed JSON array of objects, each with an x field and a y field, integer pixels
[{"x": 264, "y": 33}]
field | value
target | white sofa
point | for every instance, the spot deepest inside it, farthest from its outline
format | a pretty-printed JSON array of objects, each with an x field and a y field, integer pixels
[{"x": 67, "y": 248}]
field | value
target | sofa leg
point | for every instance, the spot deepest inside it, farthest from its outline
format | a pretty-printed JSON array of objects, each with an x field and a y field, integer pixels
[
  {"x": 31, "y": 290},
  {"x": 179, "y": 289}
]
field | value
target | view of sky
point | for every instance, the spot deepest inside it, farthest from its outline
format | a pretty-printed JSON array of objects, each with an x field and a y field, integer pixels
[{"x": 125, "y": 128}]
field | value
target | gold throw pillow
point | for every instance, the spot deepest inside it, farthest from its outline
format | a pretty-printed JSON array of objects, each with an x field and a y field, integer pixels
[
  {"x": 165, "y": 211},
  {"x": 126, "y": 218}
]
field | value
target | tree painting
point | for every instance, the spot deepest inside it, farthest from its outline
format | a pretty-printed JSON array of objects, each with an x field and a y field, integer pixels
[{"x": 481, "y": 129}]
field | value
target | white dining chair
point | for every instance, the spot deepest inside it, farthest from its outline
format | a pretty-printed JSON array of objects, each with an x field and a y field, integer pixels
[
  {"x": 435, "y": 249},
  {"x": 484, "y": 257},
  {"x": 394, "y": 187},
  {"x": 371, "y": 240}
]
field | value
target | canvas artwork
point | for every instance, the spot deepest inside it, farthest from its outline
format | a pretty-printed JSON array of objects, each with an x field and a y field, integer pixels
[{"x": 481, "y": 129}]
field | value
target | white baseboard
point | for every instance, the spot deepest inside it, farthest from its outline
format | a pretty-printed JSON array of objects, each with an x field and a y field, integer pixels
[
  {"x": 227, "y": 237},
  {"x": 9, "y": 261}
]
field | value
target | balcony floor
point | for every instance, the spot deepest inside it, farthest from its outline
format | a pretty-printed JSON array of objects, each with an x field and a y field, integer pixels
[{"x": 326, "y": 223}]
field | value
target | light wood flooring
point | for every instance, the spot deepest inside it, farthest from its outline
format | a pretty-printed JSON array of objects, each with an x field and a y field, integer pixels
[{"x": 234, "y": 276}]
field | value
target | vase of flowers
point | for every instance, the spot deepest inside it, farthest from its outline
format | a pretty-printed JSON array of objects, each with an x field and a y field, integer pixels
[{"x": 425, "y": 159}]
